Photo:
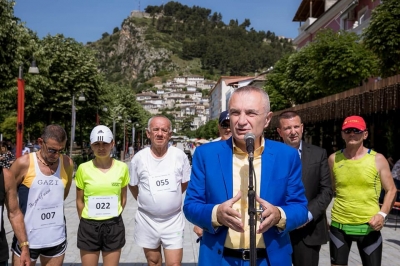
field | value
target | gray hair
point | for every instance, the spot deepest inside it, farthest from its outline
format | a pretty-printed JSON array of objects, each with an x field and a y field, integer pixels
[
  {"x": 162, "y": 116},
  {"x": 250, "y": 89}
]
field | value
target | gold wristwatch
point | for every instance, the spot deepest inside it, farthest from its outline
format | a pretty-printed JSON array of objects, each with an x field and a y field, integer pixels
[{"x": 25, "y": 243}]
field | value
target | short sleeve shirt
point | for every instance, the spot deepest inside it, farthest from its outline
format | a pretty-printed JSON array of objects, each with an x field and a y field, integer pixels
[
  {"x": 150, "y": 174},
  {"x": 97, "y": 183}
]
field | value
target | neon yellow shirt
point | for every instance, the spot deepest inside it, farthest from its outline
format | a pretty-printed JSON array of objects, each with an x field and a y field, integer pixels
[
  {"x": 358, "y": 187},
  {"x": 95, "y": 183}
]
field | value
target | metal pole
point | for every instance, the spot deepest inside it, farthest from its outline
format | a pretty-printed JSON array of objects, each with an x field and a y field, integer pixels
[
  {"x": 20, "y": 112},
  {"x": 123, "y": 153},
  {"x": 73, "y": 119},
  {"x": 142, "y": 139},
  {"x": 115, "y": 139}
]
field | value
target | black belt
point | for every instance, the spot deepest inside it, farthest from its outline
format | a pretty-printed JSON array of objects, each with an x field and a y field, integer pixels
[{"x": 244, "y": 254}]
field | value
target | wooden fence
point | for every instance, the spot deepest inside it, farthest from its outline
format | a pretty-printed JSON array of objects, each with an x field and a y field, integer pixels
[{"x": 373, "y": 97}]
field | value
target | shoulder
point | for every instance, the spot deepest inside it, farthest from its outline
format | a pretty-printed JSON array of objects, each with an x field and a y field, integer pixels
[
  {"x": 279, "y": 147},
  {"x": 22, "y": 163},
  {"x": 67, "y": 161},
  {"x": 120, "y": 164},
  {"x": 85, "y": 165},
  {"x": 178, "y": 151},
  {"x": 381, "y": 161},
  {"x": 314, "y": 148},
  {"x": 140, "y": 154},
  {"x": 215, "y": 146}
]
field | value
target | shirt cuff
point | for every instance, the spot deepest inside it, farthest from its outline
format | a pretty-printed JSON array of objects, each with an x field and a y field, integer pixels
[
  {"x": 310, "y": 217},
  {"x": 214, "y": 219},
  {"x": 282, "y": 222}
]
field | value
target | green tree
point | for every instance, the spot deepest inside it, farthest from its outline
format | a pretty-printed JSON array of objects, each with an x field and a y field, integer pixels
[
  {"x": 67, "y": 68},
  {"x": 333, "y": 63},
  {"x": 209, "y": 130},
  {"x": 187, "y": 124},
  {"x": 274, "y": 86},
  {"x": 383, "y": 36}
]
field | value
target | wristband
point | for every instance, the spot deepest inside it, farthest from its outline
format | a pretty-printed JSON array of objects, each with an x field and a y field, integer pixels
[
  {"x": 25, "y": 243},
  {"x": 382, "y": 214}
]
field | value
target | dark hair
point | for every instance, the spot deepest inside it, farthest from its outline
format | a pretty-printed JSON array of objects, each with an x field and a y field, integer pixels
[
  {"x": 288, "y": 115},
  {"x": 55, "y": 132}
]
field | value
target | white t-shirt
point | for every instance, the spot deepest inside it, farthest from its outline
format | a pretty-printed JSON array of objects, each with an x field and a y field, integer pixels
[{"x": 159, "y": 181}]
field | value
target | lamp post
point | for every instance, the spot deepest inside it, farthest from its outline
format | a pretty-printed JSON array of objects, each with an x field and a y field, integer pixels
[
  {"x": 81, "y": 98},
  {"x": 124, "y": 142},
  {"x": 33, "y": 69},
  {"x": 105, "y": 109}
]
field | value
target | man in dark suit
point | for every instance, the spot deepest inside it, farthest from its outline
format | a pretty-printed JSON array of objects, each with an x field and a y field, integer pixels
[
  {"x": 216, "y": 198},
  {"x": 308, "y": 238}
]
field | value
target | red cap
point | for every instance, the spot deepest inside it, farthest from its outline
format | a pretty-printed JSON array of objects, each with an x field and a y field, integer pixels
[{"x": 354, "y": 122}]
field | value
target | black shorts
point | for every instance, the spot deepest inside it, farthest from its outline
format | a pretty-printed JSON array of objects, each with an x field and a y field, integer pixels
[
  {"x": 50, "y": 252},
  {"x": 369, "y": 246},
  {"x": 3, "y": 263},
  {"x": 105, "y": 235}
]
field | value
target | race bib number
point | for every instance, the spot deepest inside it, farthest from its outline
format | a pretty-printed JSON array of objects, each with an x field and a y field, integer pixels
[
  {"x": 102, "y": 206},
  {"x": 160, "y": 183},
  {"x": 48, "y": 216}
]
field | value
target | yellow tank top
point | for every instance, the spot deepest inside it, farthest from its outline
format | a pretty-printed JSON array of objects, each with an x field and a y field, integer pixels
[{"x": 358, "y": 188}]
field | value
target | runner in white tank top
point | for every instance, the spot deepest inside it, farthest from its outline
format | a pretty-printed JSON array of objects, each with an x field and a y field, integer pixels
[{"x": 44, "y": 180}]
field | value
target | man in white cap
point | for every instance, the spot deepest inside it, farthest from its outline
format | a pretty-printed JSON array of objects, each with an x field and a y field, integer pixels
[{"x": 159, "y": 176}]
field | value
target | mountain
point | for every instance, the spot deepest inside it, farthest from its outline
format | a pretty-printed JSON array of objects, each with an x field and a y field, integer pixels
[{"x": 174, "y": 39}]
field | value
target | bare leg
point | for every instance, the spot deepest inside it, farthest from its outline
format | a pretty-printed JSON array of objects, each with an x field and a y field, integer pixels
[
  {"x": 153, "y": 256},
  {"x": 173, "y": 257},
  {"x": 90, "y": 258},
  {"x": 57, "y": 261},
  {"x": 111, "y": 258}
]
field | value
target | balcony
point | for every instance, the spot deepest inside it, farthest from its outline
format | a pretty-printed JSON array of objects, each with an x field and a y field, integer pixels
[{"x": 306, "y": 24}]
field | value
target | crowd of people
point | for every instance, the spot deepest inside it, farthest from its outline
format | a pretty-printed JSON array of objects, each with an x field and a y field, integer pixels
[{"x": 294, "y": 184}]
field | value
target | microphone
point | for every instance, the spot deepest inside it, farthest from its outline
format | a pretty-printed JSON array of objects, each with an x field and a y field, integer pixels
[{"x": 249, "y": 139}]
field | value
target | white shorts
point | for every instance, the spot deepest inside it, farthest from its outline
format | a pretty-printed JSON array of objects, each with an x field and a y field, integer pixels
[{"x": 151, "y": 234}]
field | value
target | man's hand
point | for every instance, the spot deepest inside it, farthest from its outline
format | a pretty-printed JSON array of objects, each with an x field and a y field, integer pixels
[
  {"x": 198, "y": 231},
  {"x": 270, "y": 214},
  {"x": 228, "y": 216},
  {"x": 25, "y": 259},
  {"x": 376, "y": 222}
]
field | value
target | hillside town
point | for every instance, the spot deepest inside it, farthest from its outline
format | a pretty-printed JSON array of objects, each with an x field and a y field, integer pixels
[{"x": 193, "y": 96}]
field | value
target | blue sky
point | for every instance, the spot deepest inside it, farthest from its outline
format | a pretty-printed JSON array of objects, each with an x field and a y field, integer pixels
[{"x": 87, "y": 20}]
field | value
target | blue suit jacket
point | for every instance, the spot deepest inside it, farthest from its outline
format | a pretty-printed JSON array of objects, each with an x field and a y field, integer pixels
[{"x": 211, "y": 184}]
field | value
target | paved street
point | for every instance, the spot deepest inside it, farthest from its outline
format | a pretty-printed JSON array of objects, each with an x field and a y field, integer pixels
[{"x": 132, "y": 254}]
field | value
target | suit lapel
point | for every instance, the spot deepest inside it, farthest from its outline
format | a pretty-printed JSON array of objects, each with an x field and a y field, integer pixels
[
  {"x": 225, "y": 157},
  {"x": 267, "y": 164},
  {"x": 305, "y": 157}
]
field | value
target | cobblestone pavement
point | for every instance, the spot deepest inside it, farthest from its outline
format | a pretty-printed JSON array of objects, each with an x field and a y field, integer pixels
[{"x": 132, "y": 254}]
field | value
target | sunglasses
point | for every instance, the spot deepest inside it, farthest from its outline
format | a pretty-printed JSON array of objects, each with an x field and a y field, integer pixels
[
  {"x": 354, "y": 130},
  {"x": 53, "y": 151},
  {"x": 225, "y": 125}
]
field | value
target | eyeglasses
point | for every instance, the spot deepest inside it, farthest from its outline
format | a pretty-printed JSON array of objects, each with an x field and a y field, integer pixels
[
  {"x": 354, "y": 130},
  {"x": 54, "y": 151},
  {"x": 225, "y": 125}
]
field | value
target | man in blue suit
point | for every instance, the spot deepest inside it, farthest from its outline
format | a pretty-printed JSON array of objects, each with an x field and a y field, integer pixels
[{"x": 216, "y": 198}]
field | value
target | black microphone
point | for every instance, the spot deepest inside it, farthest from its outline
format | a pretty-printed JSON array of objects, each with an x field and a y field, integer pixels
[{"x": 249, "y": 139}]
